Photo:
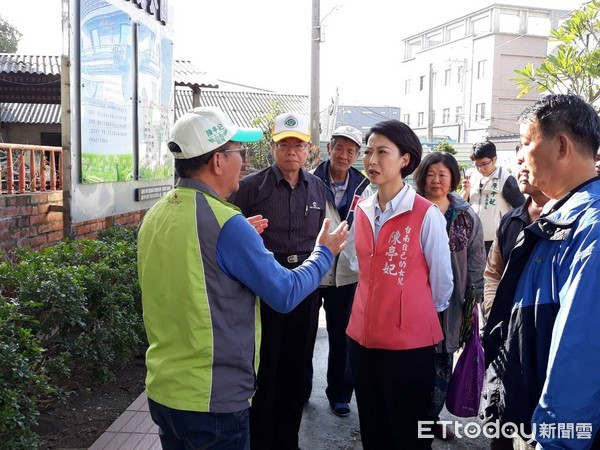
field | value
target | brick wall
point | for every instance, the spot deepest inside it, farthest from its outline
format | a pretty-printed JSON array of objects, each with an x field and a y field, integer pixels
[
  {"x": 35, "y": 220},
  {"x": 90, "y": 228},
  {"x": 29, "y": 219}
]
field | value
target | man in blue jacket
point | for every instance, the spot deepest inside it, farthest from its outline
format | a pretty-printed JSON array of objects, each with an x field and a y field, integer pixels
[
  {"x": 542, "y": 339},
  {"x": 345, "y": 186}
]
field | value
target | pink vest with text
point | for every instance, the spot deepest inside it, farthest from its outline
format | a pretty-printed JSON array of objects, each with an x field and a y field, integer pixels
[{"x": 393, "y": 307}]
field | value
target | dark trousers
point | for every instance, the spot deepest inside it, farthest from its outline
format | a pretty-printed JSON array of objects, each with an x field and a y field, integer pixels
[
  {"x": 182, "y": 430},
  {"x": 393, "y": 393},
  {"x": 287, "y": 343},
  {"x": 488, "y": 246},
  {"x": 337, "y": 302},
  {"x": 443, "y": 372}
]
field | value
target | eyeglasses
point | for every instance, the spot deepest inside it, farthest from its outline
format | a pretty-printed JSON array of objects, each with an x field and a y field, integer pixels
[
  {"x": 479, "y": 166},
  {"x": 298, "y": 146},
  {"x": 241, "y": 150}
]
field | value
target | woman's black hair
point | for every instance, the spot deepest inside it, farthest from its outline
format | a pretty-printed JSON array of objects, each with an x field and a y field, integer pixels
[
  {"x": 404, "y": 138},
  {"x": 447, "y": 160}
]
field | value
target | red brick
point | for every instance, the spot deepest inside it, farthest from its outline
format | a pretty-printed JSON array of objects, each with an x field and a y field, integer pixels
[
  {"x": 55, "y": 236},
  {"x": 38, "y": 198},
  {"x": 35, "y": 241},
  {"x": 82, "y": 229},
  {"x": 22, "y": 222},
  {"x": 10, "y": 200},
  {"x": 55, "y": 196},
  {"x": 10, "y": 211},
  {"x": 23, "y": 200},
  {"x": 38, "y": 218}
]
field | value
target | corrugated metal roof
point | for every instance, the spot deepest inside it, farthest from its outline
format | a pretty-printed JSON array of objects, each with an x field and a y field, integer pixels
[
  {"x": 30, "y": 113},
  {"x": 242, "y": 107},
  {"x": 186, "y": 74}
]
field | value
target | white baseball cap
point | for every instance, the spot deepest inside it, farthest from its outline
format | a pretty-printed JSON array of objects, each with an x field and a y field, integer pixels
[
  {"x": 204, "y": 129},
  {"x": 291, "y": 125},
  {"x": 349, "y": 132}
]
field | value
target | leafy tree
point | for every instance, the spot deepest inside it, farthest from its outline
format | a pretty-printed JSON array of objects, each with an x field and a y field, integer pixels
[
  {"x": 574, "y": 66},
  {"x": 444, "y": 146},
  {"x": 260, "y": 155},
  {"x": 9, "y": 37}
]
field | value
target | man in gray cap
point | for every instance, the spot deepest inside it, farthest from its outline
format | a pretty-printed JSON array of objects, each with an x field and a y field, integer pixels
[
  {"x": 345, "y": 186},
  {"x": 201, "y": 265}
]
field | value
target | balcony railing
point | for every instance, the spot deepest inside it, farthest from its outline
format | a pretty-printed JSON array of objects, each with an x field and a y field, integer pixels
[{"x": 30, "y": 168}]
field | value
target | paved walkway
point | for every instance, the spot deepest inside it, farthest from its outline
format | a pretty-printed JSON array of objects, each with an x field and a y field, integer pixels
[
  {"x": 133, "y": 429},
  {"x": 320, "y": 429}
]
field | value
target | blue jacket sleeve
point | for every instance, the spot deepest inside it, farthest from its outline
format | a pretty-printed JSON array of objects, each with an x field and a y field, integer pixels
[
  {"x": 568, "y": 413},
  {"x": 242, "y": 255}
]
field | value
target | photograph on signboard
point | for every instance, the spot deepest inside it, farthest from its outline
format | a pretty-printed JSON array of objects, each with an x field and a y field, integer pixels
[
  {"x": 155, "y": 91},
  {"x": 107, "y": 66}
]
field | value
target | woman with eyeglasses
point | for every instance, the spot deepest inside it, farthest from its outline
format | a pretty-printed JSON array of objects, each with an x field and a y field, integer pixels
[
  {"x": 405, "y": 279},
  {"x": 437, "y": 179},
  {"x": 491, "y": 190}
]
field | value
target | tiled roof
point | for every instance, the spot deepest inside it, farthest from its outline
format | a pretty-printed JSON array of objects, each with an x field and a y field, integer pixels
[
  {"x": 242, "y": 107},
  {"x": 15, "y": 63},
  {"x": 29, "y": 78}
]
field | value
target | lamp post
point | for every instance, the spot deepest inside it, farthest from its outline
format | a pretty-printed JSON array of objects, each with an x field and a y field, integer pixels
[{"x": 315, "y": 56}]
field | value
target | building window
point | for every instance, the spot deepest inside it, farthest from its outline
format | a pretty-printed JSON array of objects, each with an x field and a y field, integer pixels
[
  {"x": 538, "y": 25},
  {"x": 446, "y": 115},
  {"x": 406, "y": 86},
  {"x": 459, "y": 74},
  {"x": 456, "y": 32},
  {"x": 459, "y": 114},
  {"x": 420, "y": 119},
  {"x": 481, "y": 69},
  {"x": 412, "y": 48},
  {"x": 433, "y": 39},
  {"x": 481, "y": 24},
  {"x": 407, "y": 119},
  {"x": 421, "y": 82},
  {"x": 480, "y": 111},
  {"x": 509, "y": 22},
  {"x": 447, "y": 76}
]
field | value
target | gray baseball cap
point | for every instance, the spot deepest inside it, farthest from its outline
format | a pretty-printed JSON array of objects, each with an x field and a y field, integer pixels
[{"x": 349, "y": 132}]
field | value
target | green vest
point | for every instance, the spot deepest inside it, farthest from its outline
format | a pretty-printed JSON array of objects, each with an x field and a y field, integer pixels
[{"x": 203, "y": 327}]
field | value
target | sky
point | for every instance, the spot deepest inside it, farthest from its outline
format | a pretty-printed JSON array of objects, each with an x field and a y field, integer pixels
[{"x": 267, "y": 43}]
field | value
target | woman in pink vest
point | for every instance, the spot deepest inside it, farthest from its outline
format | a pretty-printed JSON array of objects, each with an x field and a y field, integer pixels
[{"x": 405, "y": 279}]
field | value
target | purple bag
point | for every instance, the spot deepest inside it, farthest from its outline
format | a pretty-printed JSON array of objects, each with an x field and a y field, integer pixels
[{"x": 464, "y": 389}]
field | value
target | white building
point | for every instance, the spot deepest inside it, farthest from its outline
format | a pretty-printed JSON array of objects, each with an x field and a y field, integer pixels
[{"x": 456, "y": 77}]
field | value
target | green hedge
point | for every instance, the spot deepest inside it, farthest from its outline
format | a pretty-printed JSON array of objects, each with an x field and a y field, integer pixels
[{"x": 69, "y": 316}]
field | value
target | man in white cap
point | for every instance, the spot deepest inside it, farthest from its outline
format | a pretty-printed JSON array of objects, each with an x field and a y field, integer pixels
[
  {"x": 345, "y": 186},
  {"x": 293, "y": 201},
  {"x": 201, "y": 265}
]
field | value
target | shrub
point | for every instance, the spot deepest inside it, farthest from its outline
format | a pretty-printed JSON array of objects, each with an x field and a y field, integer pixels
[
  {"x": 71, "y": 314},
  {"x": 22, "y": 383}
]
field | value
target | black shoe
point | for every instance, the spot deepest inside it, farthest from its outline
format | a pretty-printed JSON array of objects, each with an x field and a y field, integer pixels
[{"x": 340, "y": 409}]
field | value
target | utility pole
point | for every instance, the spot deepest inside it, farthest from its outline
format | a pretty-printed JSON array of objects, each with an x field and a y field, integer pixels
[
  {"x": 430, "y": 107},
  {"x": 315, "y": 60},
  {"x": 315, "y": 71}
]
